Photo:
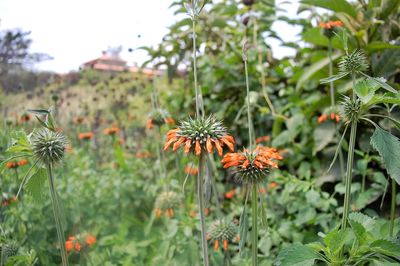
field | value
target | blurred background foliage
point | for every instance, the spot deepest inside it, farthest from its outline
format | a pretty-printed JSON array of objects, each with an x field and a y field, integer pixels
[{"x": 109, "y": 190}]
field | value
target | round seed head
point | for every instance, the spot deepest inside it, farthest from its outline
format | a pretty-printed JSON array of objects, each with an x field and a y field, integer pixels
[
  {"x": 350, "y": 109},
  {"x": 48, "y": 146},
  {"x": 167, "y": 200},
  {"x": 354, "y": 62},
  {"x": 158, "y": 116},
  {"x": 222, "y": 230}
]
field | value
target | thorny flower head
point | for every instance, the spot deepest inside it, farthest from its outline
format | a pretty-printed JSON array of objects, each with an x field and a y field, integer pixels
[
  {"x": 48, "y": 146},
  {"x": 166, "y": 202},
  {"x": 350, "y": 109},
  {"x": 200, "y": 135},
  {"x": 222, "y": 231},
  {"x": 159, "y": 117},
  {"x": 252, "y": 167},
  {"x": 354, "y": 62}
]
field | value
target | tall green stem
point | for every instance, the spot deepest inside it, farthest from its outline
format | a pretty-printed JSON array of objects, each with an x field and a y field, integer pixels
[
  {"x": 393, "y": 208},
  {"x": 57, "y": 215},
  {"x": 248, "y": 105},
  {"x": 254, "y": 201},
  {"x": 196, "y": 87},
  {"x": 200, "y": 193}
]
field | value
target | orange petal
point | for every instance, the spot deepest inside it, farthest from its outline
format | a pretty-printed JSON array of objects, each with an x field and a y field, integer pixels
[
  {"x": 230, "y": 138},
  {"x": 230, "y": 164},
  {"x": 197, "y": 148},
  {"x": 245, "y": 164},
  {"x": 169, "y": 142},
  {"x": 178, "y": 143},
  {"x": 228, "y": 143},
  {"x": 225, "y": 244},
  {"x": 216, "y": 245},
  {"x": 187, "y": 146},
  {"x": 218, "y": 146},
  {"x": 209, "y": 145}
]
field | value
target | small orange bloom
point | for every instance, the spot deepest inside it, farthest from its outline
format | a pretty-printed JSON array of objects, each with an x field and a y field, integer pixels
[
  {"x": 191, "y": 170},
  {"x": 86, "y": 135},
  {"x": 69, "y": 245},
  {"x": 262, "y": 139},
  {"x": 272, "y": 185},
  {"x": 322, "y": 118},
  {"x": 78, "y": 246},
  {"x": 10, "y": 165},
  {"x": 158, "y": 212},
  {"x": 149, "y": 123},
  {"x": 90, "y": 240},
  {"x": 225, "y": 244},
  {"x": 25, "y": 118},
  {"x": 216, "y": 245},
  {"x": 111, "y": 131},
  {"x": 331, "y": 24},
  {"x": 169, "y": 121},
  {"x": 230, "y": 194},
  {"x": 22, "y": 162}
]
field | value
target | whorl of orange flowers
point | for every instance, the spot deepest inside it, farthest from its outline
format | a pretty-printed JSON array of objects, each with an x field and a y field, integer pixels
[
  {"x": 252, "y": 166},
  {"x": 324, "y": 117},
  {"x": 86, "y": 135},
  {"x": 77, "y": 242},
  {"x": 16, "y": 164},
  {"x": 111, "y": 131},
  {"x": 200, "y": 135},
  {"x": 25, "y": 118},
  {"x": 331, "y": 24}
]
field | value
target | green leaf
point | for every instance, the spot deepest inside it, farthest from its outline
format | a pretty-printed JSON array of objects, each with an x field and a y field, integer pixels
[
  {"x": 377, "y": 99},
  {"x": 39, "y": 111},
  {"x": 383, "y": 84},
  {"x": 314, "y": 68},
  {"x": 365, "y": 89},
  {"x": 333, "y": 78},
  {"x": 336, "y": 6},
  {"x": 367, "y": 222},
  {"x": 386, "y": 247},
  {"x": 119, "y": 155},
  {"x": 388, "y": 147},
  {"x": 359, "y": 231},
  {"x": 323, "y": 135},
  {"x": 297, "y": 255},
  {"x": 243, "y": 228},
  {"x": 36, "y": 183},
  {"x": 375, "y": 46},
  {"x": 336, "y": 239}
]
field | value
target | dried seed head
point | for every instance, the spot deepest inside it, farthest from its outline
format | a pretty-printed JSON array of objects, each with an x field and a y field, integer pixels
[
  {"x": 350, "y": 109},
  {"x": 9, "y": 249},
  {"x": 167, "y": 200},
  {"x": 222, "y": 230},
  {"x": 48, "y": 146},
  {"x": 354, "y": 62},
  {"x": 159, "y": 117}
]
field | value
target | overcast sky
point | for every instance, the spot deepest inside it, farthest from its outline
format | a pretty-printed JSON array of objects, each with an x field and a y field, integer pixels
[{"x": 75, "y": 31}]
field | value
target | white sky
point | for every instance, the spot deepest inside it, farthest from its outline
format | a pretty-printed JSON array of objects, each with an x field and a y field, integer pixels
[{"x": 75, "y": 31}]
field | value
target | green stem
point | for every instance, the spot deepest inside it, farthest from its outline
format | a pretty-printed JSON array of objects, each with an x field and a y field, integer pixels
[
  {"x": 200, "y": 192},
  {"x": 254, "y": 225},
  {"x": 249, "y": 121},
  {"x": 393, "y": 208},
  {"x": 349, "y": 172},
  {"x": 196, "y": 87},
  {"x": 57, "y": 216},
  {"x": 332, "y": 89}
]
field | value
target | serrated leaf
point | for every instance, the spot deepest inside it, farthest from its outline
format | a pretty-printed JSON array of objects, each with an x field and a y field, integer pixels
[
  {"x": 386, "y": 247},
  {"x": 35, "y": 186},
  {"x": 296, "y": 255},
  {"x": 366, "y": 221},
  {"x": 388, "y": 147},
  {"x": 336, "y": 239},
  {"x": 365, "y": 89},
  {"x": 323, "y": 135},
  {"x": 359, "y": 231}
]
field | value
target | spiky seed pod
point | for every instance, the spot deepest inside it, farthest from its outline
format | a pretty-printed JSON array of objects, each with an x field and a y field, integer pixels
[
  {"x": 200, "y": 134},
  {"x": 159, "y": 117},
  {"x": 222, "y": 231},
  {"x": 48, "y": 146},
  {"x": 351, "y": 110},
  {"x": 252, "y": 167},
  {"x": 9, "y": 249},
  {"x": 354, "y": 62},
  {"x": 166, "y": 202}
]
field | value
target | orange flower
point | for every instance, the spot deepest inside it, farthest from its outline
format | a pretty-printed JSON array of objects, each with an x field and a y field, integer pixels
[
  {"x": 225, "y": 244},
  {"x": 191, "y": 170},
  {"x": 90, "y": 240},
  {"x": 25, "y": 118},
  {"x": 77, "y": 246},
  {"x": 149, "y": 123},
  {"x": 252, "y": 166},
  {"x": 272, "y": 185},
  {"x": 22, "y": 162},
  {"x": 86, "y": 135},
  {"x": 111, "y": 130},
  {"x": 10, "y": 165},
  {"x": 158, "y": 212},
  {"x": 200, "y": 135},
  {"x": 69, "y": 245},
  {"x": 230, "y": 194},
  {"x": 262, "y": 139},
  {"x": 216, "y": 245},
  {"x": 331, "y": 24},
  {"x": 169, "y": 121},
  {"x": 322, "y": 118}
]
